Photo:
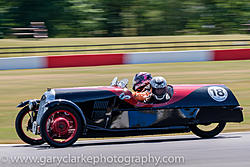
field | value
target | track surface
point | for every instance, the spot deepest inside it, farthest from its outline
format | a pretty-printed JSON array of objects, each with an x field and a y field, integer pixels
[{"x": 228, "y": 149}]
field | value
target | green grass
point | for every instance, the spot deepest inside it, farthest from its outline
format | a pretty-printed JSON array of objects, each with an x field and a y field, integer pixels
[
  {"x": 19, "y": 85},
  {"x": 115, "y": 40}
]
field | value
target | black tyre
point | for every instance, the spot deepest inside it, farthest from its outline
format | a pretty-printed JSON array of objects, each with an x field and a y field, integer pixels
[
  {"x": 206, "y": 131},
  {"x": 61, "y": 126},
  {"x": 23, "y": 128}
]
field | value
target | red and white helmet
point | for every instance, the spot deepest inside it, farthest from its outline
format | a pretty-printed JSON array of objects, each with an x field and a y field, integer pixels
[{"x": 141, "y": 80}]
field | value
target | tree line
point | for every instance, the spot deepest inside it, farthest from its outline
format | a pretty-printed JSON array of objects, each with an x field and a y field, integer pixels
[{"x": 89, "y": 18}]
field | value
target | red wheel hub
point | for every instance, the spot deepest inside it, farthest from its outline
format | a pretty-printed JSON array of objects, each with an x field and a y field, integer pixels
[{"x": 60, "y": 126}]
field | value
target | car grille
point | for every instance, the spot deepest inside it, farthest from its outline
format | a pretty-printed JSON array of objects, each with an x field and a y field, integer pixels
[
  {"x": 99, "y": 109},
  {"x": 41, "y": 109}
]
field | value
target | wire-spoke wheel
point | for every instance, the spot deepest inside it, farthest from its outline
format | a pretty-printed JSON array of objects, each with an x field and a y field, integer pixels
[
  {"x": 60, "y": 126},
  {"x": 24, "y": 127}
]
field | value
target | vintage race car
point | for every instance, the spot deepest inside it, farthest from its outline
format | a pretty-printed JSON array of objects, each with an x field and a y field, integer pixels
[{"x": 63, "y": 115}]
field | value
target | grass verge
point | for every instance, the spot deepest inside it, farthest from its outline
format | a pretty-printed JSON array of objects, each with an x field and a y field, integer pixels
[
  {"x": 117, "y": 40},
  {"x": 19, "y": 85}
]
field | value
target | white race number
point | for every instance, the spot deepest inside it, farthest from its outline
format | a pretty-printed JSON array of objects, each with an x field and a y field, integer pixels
[{"x": 218, "y": 93}]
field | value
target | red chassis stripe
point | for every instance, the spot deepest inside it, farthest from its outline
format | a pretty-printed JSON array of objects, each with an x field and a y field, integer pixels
[
  {"x": 232, "y": 54},
  {"x": 84, "y": 60},
  {"x": 180, "y": 92}
]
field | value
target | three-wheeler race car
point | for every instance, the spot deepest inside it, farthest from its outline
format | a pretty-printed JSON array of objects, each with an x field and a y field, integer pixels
[{"x": 63, "y": 115}]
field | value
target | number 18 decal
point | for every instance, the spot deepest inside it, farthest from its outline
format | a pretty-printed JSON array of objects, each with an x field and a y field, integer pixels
[{"x": 218, "y": 93}]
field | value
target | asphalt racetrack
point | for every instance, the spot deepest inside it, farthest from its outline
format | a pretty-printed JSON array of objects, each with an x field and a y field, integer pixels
[{"x": 227, "y": 149}]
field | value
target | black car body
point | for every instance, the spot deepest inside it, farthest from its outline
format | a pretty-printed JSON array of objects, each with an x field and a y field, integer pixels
[{"x": 113, "y": 111}]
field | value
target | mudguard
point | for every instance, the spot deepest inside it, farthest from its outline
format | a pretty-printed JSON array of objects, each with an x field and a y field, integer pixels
[
  {"x": 24, "y": 103},
  {"x": 54, "y": 103}
]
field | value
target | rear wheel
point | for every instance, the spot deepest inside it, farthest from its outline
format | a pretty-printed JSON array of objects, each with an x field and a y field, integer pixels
[
  {"x": 24, "y": 127},
  {"x": 207, "y": 130},
  {"x": 61, "y": 126}
]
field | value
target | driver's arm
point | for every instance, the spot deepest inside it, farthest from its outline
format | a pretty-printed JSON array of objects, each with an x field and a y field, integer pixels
[{"x": 141, "y": 96}]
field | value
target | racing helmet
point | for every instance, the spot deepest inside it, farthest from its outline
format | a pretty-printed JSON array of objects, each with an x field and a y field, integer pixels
[
  {"x": 141, "y": 80},
  {"x": 159, "y": 87}
]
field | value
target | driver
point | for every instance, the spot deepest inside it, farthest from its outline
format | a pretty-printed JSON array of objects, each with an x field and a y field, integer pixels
[
  {"x": 141, "y": 86},
  {"x": 159, "y": 91}
]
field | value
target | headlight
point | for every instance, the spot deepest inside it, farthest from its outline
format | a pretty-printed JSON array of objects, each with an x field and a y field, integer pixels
[
  {"x": 33, "y": 105},
  {"x": 50, "y": 95}
]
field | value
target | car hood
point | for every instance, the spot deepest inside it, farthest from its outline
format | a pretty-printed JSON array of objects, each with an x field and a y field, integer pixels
[{"x": 81, "y": 94}]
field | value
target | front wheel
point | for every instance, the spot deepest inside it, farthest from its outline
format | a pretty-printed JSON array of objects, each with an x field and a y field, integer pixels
[
  {"x": 61, "y": 126},
  {"x": 207, "y": 130},
  {"x": 24, "y": 127}
]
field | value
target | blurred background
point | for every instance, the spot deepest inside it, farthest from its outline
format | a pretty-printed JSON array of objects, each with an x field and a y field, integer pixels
[
  {"x": 102, "y": 18},
  {"x": 66, "y": 27}
]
